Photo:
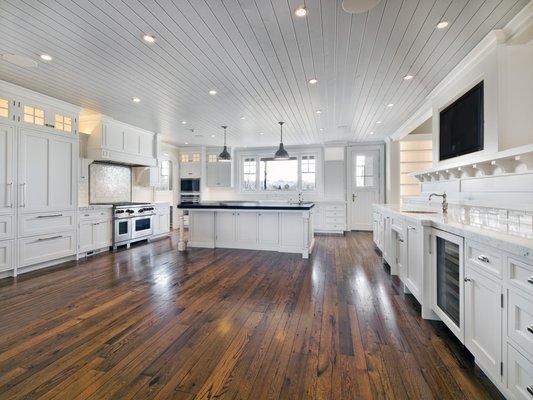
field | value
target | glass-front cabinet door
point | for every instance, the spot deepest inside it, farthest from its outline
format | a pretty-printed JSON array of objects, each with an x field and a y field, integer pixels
[{"x": 448, "y": 273}]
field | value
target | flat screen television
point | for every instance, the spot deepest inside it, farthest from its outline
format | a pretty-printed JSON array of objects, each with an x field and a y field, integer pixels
[{"x": 461, "y": 125}]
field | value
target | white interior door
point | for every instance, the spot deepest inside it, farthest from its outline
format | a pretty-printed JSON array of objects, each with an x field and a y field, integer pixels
[{"x": 364, "y": 185}]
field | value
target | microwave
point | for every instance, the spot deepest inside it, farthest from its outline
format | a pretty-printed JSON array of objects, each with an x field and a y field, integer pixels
[{"x": 190, "y": 186}]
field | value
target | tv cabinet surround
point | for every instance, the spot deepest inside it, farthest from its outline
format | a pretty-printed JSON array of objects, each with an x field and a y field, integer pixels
[{"x": 283, "y": 227}]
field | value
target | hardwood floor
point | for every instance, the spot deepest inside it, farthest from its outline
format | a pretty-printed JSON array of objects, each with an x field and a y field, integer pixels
[{"x": 152, "y": 323}]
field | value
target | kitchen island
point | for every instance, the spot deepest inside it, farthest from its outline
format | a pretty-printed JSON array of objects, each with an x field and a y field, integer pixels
[{"x": 283, "y": 227}]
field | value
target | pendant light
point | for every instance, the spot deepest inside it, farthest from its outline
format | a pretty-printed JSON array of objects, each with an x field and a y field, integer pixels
[
  {"x": 281, "y": 154},
  {"x": 224, "y": 156}
]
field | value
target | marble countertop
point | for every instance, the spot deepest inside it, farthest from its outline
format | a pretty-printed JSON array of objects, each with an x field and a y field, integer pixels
[
  {"x": 93, "y": 207},
  {"x": 511, "y": 236},
  {"x": 251, "y": 205}
]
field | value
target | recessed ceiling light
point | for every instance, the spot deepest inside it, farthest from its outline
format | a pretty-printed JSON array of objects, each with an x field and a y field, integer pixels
[
  {"x": 442, "y": 24},
  {"x": 261, "y": 133},
  {"x": 148, "y": 38},
  {"x": 212, "y": 92},
  {"x": 136, "y": 100},
  {"x": 378, "y": 122},
  {"x": 186, "y": 142},
  {"x": 390, "y": 105},
  {"x": 212, "y": 135},
  {"x": 371, "y": 133},
  {"x": 408, "y": 77},
  {"x": 46, "y": 57},
  {"x": 318, "y": 111},
  {"x": 243, "y": 117},
  {"x": 321, "y": 129},
  {"x": 313, "y": 81},
  {"x": 183, "y": 122},
  {"x": 301, "y": 11}
]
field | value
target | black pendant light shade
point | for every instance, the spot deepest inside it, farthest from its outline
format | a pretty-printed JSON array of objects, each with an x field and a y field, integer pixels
[
  {"x": 281, "y": 154},
  {"x": 224, "y": 156}
]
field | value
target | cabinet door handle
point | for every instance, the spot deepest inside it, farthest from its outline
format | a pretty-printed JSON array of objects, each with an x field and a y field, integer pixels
[
  {"x": 530, "y": 328},
  {"x": 468, "y": 280},
  {"x": 48, "y": 238},
  {"x": 530, "y": 279},
  {"x": 353, "y": 197},
  {"x": 23, "y": 195},
  {"x": 483, "y": 258},
  {"x": 530, "y": 390},
  {"x": 10, "y": 196},
  {"x": 50, "y": 216}
]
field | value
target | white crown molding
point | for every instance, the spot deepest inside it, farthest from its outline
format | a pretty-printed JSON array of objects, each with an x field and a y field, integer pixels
[
  {"x": 21, "y": 93},
  {"x": 520, "y": 28}
]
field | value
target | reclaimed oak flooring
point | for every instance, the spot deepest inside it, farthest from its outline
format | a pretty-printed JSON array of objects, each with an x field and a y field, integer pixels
[{"x": 152, "y": 323}]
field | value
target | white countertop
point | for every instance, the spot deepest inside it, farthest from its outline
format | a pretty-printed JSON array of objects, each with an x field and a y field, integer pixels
[
  {"x": 93, "y": 207},
  {"x": 505, "y": 235}
]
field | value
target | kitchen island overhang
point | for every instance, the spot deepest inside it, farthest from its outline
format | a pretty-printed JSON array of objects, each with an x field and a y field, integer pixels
[{"x": 283, "y": 227}]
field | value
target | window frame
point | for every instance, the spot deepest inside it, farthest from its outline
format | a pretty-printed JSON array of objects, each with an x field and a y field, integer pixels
[{"x": 317, "y": 153}]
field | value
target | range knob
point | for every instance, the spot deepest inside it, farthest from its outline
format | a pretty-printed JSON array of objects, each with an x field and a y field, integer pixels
[
  {"x": 119, "y": 212},
  {"x": 130, "y": 211}
]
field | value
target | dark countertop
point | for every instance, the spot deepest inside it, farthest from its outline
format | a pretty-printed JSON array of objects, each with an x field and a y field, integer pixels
[{"x": 247, "y": 205}]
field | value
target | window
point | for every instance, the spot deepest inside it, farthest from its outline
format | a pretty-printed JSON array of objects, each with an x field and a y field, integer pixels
[
  {"x": 212, "y": 158},
  {"x": 278, "y": 174},
  {"x": 63, "y": 123},
  {"x": 33, "y": 115},
  {"x": 249, "y": 174},
  {"x": 308, "y": 173},
  {"x": 4, "y": 108},
  {"x": 184, "y": 158},
  {"x": 165, "y": 175},
  {"x": 196, "y": 157},
  {"x": 364, "y": 171}
]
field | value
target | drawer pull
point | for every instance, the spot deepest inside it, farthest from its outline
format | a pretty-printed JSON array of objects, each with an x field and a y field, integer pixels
[
  {"x": 50, "y": 216},
  {"x": 530, "y": 328},
  {"x": 484, "y": 259},
  {"x": 530, "y": 390},
  {"x": 530, "y": 279},
  {"x": 48, "y": 238}
]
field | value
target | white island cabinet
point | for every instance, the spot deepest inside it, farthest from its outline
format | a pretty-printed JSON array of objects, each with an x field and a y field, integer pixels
[{"x": 286, "y": 228}]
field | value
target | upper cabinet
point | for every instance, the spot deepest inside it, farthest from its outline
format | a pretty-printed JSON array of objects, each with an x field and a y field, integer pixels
[
  {"x": 110, "y": 140},
  {"x": 190, "y": 163}
]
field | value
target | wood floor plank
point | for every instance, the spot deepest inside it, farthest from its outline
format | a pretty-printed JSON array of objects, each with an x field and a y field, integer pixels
[{"x": 153, "y": 323}]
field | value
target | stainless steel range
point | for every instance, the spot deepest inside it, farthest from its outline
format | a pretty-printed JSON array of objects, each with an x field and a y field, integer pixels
[{"x": 131, "y": 222}]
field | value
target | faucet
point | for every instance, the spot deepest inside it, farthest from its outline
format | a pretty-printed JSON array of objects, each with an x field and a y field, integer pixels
[{"x": 444, "y": 202}]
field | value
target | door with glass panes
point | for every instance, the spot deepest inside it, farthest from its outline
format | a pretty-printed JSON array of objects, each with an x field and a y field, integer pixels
[{"x": 364, "y": 186}]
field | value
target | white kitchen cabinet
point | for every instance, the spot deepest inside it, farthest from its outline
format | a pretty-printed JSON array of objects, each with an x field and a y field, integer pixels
[
  {"x": 291, "y": 230},
  {"x": 201, "y": 228},
  {"x": 6, "y": 255},
  {"x": 413, "y": 265},
  {"x": 483, "y": 322},
  {"x": 246, "y": 228},
  {"x": 520, "y": 320},
  {"x": 219, "y": 174},
  {"x": 94, "y": 235},
  {"x": 7, "y": 167},
  {"x": 225, "y": 228},
  {"x": 43, "y": 248},
  {"x": 268, "y": 229},
  {"x": 387, "y": 239},
  {"x": 161, "y": 219},
  {"x": 46, "y": 222},
  {"x": 47, "y": 172},
  {"x": 190, "y": 170},
  {"x": 330, "y": 217},
  {"x": 519, "y": 375},
  {"x": 48, "y": 117}
]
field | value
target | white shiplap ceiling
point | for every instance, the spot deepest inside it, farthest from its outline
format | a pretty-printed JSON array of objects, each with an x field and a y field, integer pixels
[{"x": 256, "y": 54}]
